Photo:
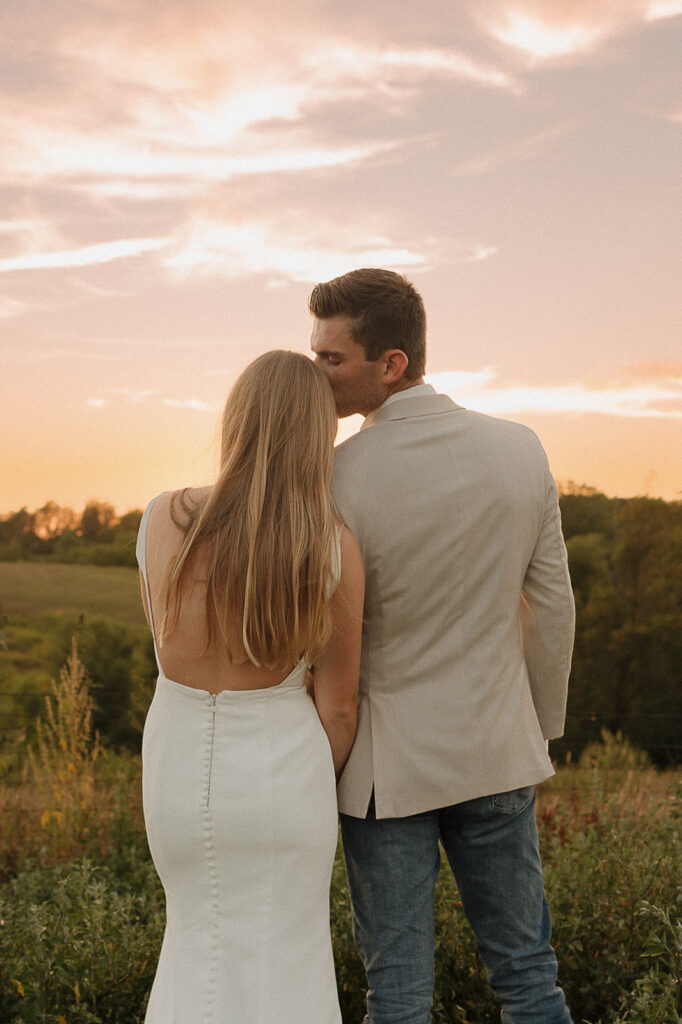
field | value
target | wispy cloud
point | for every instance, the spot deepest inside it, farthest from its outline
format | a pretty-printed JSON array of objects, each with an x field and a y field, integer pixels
[
  {"x": 88, "y": 159},
  {"x": 14, "y": 227},
  {"x": 210, "y": 247},
  {"x": 546, "y": 30},
  {"x": 543, "y": 41},
  {"x": 105, "y": 252},
  {"x": 219, "y": 66},
  {"x": 31, "y": 233},
  {"x": 656, "y": 398},
  {"x": 662, "y": 9},
  {"x": 189, "y": 403},
  {"x": 178, "y": 118},
  {"x": 343, "y": 61},
  {"x": 476, "y": 253},
  {"x": 207, "y": 246},
  {"x": 132, "y": 396}
]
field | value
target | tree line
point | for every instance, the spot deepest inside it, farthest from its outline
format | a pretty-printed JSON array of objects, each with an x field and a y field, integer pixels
[
  {"x": 625, "y": 559},
  {"x": 97, "y": 535}
]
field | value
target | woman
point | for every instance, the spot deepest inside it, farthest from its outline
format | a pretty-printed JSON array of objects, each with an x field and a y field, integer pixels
[{"x": 246, "y": 584}]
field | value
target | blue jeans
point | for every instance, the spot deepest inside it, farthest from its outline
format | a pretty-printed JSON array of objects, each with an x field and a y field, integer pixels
[{"x": 492, "y": 846}]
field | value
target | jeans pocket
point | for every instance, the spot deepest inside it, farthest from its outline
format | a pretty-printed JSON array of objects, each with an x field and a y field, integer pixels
[{"x": 514, "y": 801}]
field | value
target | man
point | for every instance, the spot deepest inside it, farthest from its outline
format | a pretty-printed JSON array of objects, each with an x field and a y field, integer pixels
[{"x": 466, "y": 653}]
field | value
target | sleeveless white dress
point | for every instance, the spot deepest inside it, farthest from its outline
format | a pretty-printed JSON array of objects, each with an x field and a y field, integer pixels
[{"x": 240, "y": 808}]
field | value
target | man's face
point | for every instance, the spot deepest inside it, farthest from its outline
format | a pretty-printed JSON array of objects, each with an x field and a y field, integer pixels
[{"x": 356, "y": 383}]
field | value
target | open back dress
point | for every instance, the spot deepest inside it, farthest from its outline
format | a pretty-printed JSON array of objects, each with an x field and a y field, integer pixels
[{"x": 241, "y": 816}]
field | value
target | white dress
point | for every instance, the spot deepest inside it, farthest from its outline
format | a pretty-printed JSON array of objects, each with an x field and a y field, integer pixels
[{"x": 241, "y": 816}]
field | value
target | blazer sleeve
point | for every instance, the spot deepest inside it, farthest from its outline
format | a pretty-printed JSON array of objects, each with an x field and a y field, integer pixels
[{"x": 547, "y": 618}]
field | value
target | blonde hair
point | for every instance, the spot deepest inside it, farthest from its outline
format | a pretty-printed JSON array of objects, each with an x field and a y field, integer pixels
[{"x": 267, "y": 526}]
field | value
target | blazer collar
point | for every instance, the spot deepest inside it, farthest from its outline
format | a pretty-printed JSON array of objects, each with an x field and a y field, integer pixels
[{"x": 405, "y": 405}]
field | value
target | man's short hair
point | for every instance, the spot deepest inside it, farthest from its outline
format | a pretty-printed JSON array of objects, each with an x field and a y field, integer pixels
[{"x": 385, "y": 311}]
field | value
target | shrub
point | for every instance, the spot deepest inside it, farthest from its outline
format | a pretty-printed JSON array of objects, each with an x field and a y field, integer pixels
[
  {"x": 79, "y": 944},
  {"x": 614, "y": 753},
  {"x": 657, "y": 997},
  {"x": 602, "y": 863},
  {"x": 80, "y": 941}
]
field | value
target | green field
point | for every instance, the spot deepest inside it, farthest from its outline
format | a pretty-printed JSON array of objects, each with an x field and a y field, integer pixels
[
  {"x": 42, "y": 606},
  {"x": 36, "y": 588}
]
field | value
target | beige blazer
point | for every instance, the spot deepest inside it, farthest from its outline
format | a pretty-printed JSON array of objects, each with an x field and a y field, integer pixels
[{"x": 469, "y": 613}]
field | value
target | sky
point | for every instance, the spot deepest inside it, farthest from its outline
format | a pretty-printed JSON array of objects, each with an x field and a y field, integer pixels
[{"x": 175, "y": 177}]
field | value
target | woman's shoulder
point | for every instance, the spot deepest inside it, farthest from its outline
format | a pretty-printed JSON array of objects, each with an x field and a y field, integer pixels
[
  {"x": 351, "y": 580},
  {"x": 346, "y": 539},
  {"x": 177, "y": 506},
  {"x": 351, "y": 558}
]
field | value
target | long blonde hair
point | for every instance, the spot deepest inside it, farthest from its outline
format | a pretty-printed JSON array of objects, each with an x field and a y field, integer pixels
[{"x": 267, "y": 526}]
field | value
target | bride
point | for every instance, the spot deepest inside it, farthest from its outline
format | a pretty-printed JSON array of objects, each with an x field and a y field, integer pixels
[{"x": 246, "y": 585}]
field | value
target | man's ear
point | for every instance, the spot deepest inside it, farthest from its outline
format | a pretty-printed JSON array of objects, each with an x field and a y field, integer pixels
[{"x": 395, "y": 364}]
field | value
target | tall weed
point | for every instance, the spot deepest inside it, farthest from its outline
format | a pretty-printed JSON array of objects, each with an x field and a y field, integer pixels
[
  {"x": 73, "y": 797},
  {"x": 62, "y": 761}
]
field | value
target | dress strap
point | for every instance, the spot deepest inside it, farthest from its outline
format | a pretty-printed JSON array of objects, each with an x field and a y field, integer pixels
[
  {"x": 336, "y": 564},
  {"x": 337, "y": 558},
  {"x": 141, "y": 554}
]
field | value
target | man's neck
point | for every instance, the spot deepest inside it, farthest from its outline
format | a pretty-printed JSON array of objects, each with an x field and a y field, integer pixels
[{"x": 404, "y": 385}]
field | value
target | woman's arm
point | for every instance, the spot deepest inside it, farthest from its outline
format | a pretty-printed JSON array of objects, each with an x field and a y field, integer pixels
[{"x": 337, "y": 670}]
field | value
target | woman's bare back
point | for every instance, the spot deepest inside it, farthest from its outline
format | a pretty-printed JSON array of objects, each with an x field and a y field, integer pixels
[{"x": 183, "y": 656}]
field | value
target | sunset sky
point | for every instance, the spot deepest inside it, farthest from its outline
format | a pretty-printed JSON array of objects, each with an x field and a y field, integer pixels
[{"x": 176, "y": 176}]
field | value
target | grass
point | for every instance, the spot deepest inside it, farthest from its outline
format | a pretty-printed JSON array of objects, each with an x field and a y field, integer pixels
[
  {"x": 34, "y": 588},
  {"x": 82, "y": 912}
]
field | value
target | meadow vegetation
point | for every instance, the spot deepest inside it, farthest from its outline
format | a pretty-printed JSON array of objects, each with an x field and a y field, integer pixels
[
  {"x": 81, "y": 908},
  {"x": 82, "y": 911}
]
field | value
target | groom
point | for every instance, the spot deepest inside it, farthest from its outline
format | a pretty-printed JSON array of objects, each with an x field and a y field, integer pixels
[{"x": 466, "y": 653}]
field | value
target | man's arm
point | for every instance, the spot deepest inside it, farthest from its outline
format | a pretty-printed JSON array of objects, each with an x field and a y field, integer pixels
[{"x": 547, "y": 617}]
